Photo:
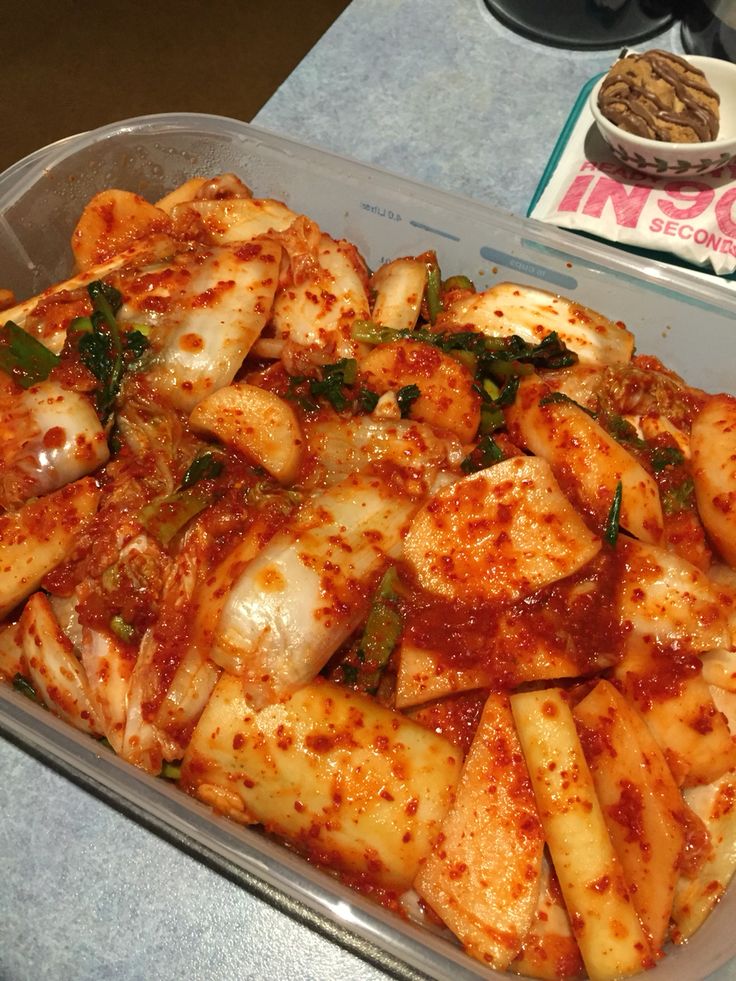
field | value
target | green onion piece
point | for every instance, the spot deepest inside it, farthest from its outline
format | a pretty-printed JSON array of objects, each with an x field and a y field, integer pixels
[
  {"x": 170, "y": 771},
  {"x": 549, "y": 354},
  {"x": 294, "y": 394},
  {"x": 166, "y": 518},
  {"x": 380, "y": 635},
  {"x": 458, "y": 283},
  {"x": 122, "y": 629},
  {"x": 433, "y": 291},
  {"x": 24, "y": 358},
  {"x": 202, "y": 467},
  {"x": 81, "y": 325},
  {"x": 560, "y": 397},
  {"x": 23, "y": 685},
  {"x": 406, "y": 397},
  {"x": 666, "y": 456},
  {"x": 105, "y": 300},
  {"x": 349, "y": 371},
  {"x": 486, "y": 453},
  {"x": 614, "y": 516},
  {"x": 110, "y": 578},
  {"x": 382, "y": 629},
  {"x": 103, "y": 349},
  {"x": 491, "y": 345},
  {"x": 350, "y": 674}
]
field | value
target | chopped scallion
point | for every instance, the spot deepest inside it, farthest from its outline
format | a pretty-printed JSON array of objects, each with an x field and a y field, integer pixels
[{"x": 614, "y": 517}]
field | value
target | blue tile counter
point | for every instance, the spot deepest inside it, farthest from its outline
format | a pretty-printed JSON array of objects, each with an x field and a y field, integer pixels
[
  {"x": 434, "y": 90},
  {"x": 438, "y": 92}
]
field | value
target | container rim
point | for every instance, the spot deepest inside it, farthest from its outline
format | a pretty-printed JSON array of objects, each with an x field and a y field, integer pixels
[{"x": 659, "y": 275}]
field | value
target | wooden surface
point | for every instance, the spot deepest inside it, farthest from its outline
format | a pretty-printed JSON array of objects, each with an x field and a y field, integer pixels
[{"x": 71, "y": 66}]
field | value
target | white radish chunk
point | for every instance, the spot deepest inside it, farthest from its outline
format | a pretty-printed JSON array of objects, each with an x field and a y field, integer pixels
[
  {"x": 533, "y": 314},
  {"x": 550, "y": 950},
  {"x": 184, "y": 192},
  {"x": 48, "y": 315},
  {"x": 424, "y": 674},
  {"x": 581, "y": 382},
  {"x": 108, "y": 666},
  {"x": 723, "y": 579},
  {"x": 653, "y": 425},
  {"x": 499, "y": 534},
  {"x": 482, "y": 877},
  {"x": 256, "y": 423},
  {"x": 713, "y": 448},
  {"x": 715, "y": 805},
  {"x": 341, "y": 446},
  {"x": 330, "y": 770},
  {"x": 719, "y": 669},
  {"x": 188, "y": 694},
  {"x": 678, "y": 707},
  {"x": 11, "y": 654}
]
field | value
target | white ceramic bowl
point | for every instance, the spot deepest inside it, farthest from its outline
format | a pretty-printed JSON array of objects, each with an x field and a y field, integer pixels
[{"x": 679, "y": 159}]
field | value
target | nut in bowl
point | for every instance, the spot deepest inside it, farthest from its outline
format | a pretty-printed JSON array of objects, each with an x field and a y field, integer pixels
[{"x": 659, "y": 155}]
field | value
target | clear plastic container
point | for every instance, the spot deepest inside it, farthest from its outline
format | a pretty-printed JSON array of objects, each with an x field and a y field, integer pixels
[{"x": 689, "y": 323}]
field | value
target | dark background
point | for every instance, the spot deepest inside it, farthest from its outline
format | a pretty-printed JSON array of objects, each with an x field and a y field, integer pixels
[{"x": 71, "y": 66}]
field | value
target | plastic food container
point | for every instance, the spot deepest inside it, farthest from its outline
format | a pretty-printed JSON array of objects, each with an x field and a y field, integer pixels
[{"x": 689, "y": 323}]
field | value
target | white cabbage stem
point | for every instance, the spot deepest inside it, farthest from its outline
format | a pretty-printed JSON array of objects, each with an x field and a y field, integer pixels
[
  {"x": 49, "y": 437},
  {"x": 212, "y": 309}
]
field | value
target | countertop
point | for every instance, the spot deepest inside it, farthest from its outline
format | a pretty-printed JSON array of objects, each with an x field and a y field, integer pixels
[{"x": 434, "y": 90}]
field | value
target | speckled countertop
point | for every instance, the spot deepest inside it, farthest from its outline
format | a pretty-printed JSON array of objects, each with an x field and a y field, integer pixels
[{"x": 431, "y": 89}]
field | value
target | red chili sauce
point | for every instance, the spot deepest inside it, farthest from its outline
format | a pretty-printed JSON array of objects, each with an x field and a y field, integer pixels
[{"x": 575, "y": 619}]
